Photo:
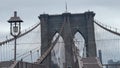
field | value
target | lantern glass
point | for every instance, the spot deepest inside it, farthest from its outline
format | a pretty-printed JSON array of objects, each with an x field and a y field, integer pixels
[{"x": 15, "y": 29}]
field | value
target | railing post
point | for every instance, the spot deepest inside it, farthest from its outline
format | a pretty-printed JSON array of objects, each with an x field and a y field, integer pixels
[
  {"x": 31, "y": 56},
  {"x": 38, "y": 52}
]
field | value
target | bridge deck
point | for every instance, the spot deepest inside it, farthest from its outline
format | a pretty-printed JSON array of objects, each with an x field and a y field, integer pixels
[
  {"x": 91, "y": 62},
  {"x": 10, "y": 64}
]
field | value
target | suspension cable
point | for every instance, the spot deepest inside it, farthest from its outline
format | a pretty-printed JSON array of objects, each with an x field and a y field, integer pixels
[
  {"x": 108, "y": 29},
  {"x": 26, "y": 32}
]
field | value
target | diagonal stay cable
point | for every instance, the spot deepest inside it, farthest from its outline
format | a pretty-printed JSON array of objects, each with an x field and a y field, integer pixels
[
  {"x": 46, "y": 53},
  {"x": 11, "y": 39}
]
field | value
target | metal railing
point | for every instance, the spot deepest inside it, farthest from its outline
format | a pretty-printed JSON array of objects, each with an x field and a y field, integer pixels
[
  {"x": 111, "y": 65},
  {"x": 21, "y": 64}
]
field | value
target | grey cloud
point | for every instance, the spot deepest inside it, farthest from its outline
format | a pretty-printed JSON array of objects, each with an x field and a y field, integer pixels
[{"x": 30, "y": 9}]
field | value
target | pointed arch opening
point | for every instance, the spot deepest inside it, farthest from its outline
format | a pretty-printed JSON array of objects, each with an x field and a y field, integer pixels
[
  {"x": 80, "y": 44},
  {"x": 58, "y": 52}
]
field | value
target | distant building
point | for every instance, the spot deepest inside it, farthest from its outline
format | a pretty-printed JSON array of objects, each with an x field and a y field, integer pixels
[
  {"x": 113, "y": 64},
  {"x": 100, "y": 55}
]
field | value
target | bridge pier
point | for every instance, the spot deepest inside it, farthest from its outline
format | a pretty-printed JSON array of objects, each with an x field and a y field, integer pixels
[{"x": 68, "y": 41}]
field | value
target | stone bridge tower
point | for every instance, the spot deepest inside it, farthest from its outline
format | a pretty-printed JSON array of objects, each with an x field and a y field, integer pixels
[{"x": 82, "y": 23}]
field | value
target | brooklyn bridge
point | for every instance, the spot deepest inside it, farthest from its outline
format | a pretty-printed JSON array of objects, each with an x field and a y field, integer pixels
[{"x": 60, "y": 41}]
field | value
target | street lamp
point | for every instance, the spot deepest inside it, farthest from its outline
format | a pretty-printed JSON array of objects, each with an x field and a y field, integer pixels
[{"x": 15, "y": 29}]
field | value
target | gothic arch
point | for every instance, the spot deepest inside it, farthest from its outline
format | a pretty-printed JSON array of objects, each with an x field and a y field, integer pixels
[
  {"x": 58, "y": 52},
  {"x": 79, "y": 42}
]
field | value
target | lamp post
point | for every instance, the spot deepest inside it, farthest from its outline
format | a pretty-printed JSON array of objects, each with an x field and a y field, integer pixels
[{"x": 15, "y": 29}]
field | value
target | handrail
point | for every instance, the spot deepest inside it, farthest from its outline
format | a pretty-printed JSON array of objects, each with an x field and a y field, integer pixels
[{"x": 14, "y": 64}]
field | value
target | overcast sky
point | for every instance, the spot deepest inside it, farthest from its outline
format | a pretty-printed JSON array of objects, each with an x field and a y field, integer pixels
[{"x": 107, "y": 11}]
